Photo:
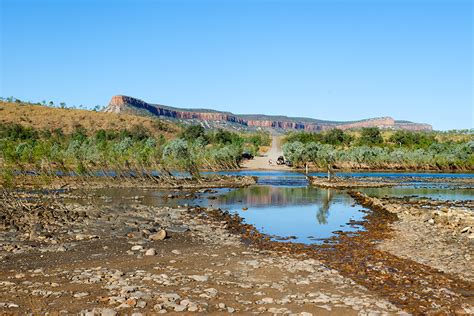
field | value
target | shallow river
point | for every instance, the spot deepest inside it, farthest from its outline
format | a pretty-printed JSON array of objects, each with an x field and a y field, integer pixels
[{"x": 283, "y": 205}]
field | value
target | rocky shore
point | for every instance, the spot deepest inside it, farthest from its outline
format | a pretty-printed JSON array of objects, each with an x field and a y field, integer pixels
[
  {"x": 354, "y": 182},
  {"x": 67, "y": 252},
  {"x": 349, "y": 183},
  {"x": 154, "y": 182},
  {"x": 436, "y": 233},
  {"x": 69, "y": 258}
]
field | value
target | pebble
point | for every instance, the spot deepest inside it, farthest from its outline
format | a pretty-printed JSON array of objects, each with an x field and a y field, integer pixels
[
  {"x": 150, "y": 252},
  {"x": 160, "y": 235},
  {"x": 267, "y": 300},
  {"x": 81, "y": 294},
  {"x": 178, "y": 229},
  {"x": 108, "y": 312},
  {"x": 179, "y": 308},
  {"x": 199, "y": 278}
]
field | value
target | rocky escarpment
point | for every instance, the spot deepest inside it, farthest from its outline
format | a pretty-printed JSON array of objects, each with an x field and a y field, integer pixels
[{"x": 125, "y": 104}]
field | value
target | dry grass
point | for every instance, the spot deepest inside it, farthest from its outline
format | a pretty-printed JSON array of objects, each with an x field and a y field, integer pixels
[{"x": 43, "y": 117}]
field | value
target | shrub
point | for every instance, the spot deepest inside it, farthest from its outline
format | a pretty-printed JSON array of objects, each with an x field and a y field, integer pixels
[{"x": 370, "y": 136}]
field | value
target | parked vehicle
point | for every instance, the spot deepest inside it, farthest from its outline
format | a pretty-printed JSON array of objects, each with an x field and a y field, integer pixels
[
  {"x": 247, "y": 155},
  {"x": 280, "y": 161}
]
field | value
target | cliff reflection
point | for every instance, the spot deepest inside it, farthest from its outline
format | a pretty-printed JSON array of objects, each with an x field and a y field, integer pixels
[{"x": 271, "y": 196}]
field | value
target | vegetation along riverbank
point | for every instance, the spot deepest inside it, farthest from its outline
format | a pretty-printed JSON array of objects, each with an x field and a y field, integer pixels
[
  {"x": 141, "y": 150},
  {"x": 73, "y": 247},
  {"x": 374, "y": 149}
]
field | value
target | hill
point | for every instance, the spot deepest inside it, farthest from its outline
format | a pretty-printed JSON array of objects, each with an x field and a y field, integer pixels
[
  {"x": 211, "y": 118},
  {"x": 43, "y": 117}
]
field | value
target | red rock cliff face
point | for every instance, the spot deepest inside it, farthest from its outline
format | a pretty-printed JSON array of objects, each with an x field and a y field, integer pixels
[{"x": 119, "y": 104}]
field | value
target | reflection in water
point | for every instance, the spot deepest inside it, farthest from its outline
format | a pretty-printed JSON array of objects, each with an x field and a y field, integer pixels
[
  {"x": 307, "y": 213},
  {"x": 266, "y": 196},
  {"x": 282, "y": 204},
  {"x": 322, "y": 215},
  {"x": 270, "y": 196}
]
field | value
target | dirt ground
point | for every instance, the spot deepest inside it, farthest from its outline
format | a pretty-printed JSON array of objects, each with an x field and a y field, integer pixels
[
  {"x": 63, "y": 257},
  {"x": 262, "y": 162},
  {"x": 108, "y": 262}
]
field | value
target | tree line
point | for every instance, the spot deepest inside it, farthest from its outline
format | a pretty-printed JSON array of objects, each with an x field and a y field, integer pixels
[
  {"x": 369, "y": 149},
  {"x": 133, "y": 152}
]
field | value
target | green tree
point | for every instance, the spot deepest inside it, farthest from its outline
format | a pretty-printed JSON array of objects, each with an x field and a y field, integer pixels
[
  {"x": 371, "y": 136},
  {"x": 177, "y": 153},
  {"x": 336, "y": 137},
  {"x": 294, "y": 152},
  {"x": 193, "y": 132}
]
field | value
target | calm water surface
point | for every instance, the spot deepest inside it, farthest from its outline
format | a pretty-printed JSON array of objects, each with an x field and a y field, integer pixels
[{"x": 283, "y": 205}]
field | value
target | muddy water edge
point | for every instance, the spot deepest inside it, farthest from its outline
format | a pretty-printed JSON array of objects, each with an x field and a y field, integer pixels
[{"x": 411, "y": 286}]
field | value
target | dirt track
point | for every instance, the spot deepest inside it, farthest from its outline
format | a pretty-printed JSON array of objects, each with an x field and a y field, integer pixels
[{"x": 261, "y": 162}]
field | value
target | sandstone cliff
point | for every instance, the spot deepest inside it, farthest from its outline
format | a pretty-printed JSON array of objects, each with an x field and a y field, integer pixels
[{"x": 125, "y": 104}]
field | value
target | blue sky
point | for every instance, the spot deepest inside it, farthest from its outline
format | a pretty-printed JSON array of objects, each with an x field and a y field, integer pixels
[{"x": 336, "y": 60}]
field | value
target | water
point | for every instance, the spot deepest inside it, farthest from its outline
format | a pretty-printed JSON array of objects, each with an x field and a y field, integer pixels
[
  {"x": 441, "y": 192},
  {"x": 282, "y": 204},
  {"x": 259, "y": 173},
  {"x": 306, "y": 214}
]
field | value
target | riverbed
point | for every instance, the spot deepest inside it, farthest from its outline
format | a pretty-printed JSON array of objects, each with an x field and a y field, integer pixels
[
  {"x": 322, "y": 251},
  {"x": 284, "y": 206}
]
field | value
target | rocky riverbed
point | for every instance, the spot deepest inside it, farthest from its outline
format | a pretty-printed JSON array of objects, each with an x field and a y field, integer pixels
[
  {"x": 354, "y": 182},
  {"x": 436, "y": 233},
  {"x": 69, "y": 252},
  {"x": 70, "y": 258},
  {"x": 155, "y": 182},
  {"x": 350, "y": 183}
]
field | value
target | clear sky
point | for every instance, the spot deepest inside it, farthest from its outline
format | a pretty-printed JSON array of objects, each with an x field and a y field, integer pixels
[{"x": 331, "y": 59}]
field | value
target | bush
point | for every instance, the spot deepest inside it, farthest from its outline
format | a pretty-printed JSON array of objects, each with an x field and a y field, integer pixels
[
  {"x": 193, "y": 132},
  {"x": 412, "y": 139},
  {"x": 371, "y": 136},
  {"x": 178, "y": 154}
]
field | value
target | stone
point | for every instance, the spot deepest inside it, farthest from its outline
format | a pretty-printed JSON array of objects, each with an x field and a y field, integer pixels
[
  {"x": 179, "y": 308},
  {"x": 176, "y": 252},
  {"x": 212, "y": 292},
  {"x": 193, "y": 308},
  {"x": 178, "y": 229},
  {"x": 61, "y": 249},
  {"x": 160, "y": 235},
  {"x": 199, "y": 278},
  {"x": 150, "y": 252},
  {"x": 137, "y": 248},
  {"x": 81, "y": 294}
]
